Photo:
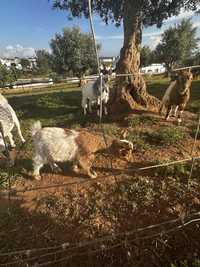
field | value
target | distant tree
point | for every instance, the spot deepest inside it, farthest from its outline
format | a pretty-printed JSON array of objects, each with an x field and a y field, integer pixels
[
  {"x": 25, "y": 63},
  {"x": 73, "y": 52},
  {"x": 6, "y": 76},
  {"x": 178, "y": 44},
  {"x": 135, "y": 15},
  {"x": 146, "y": 56},
  {"x": 193, "y": 60},
  {"x": 44, "y": 61}
]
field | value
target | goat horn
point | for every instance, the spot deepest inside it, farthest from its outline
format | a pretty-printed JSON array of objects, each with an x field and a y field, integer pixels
[{"x": 127, "y": 142}]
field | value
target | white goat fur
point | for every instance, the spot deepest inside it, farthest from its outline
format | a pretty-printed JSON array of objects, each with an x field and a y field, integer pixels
[
  {"x": 54, "y": 144},
  {"x": 91, "y": 96},
  {"x": 8, "y": 119}
]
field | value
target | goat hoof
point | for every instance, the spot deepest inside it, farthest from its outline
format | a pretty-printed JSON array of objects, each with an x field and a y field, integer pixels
[
  {"x": 75, "y": 168},
  {"x": 57, "y": 169},
  {"x": 12, "y": 146}
]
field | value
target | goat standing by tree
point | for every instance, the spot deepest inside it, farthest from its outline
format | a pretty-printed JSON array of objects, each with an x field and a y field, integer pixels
[{"x": 177, "y": 94}]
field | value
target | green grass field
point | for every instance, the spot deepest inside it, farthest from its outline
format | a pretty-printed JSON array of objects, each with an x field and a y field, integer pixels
[{"x": 63, "y": 107}]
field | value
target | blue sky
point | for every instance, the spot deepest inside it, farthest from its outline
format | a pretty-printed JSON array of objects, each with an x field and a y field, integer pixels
[{"x": 27, "y": 25}]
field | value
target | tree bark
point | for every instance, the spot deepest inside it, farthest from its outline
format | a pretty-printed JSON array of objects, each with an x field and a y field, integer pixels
[{"x": 130, "y": 91}]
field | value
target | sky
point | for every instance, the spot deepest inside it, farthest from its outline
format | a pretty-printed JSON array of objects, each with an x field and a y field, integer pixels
[{"x": 27, "y": 25}]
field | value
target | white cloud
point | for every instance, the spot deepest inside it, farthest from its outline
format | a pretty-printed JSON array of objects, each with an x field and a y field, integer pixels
[
  {"x": 9, "y": 47},
  {"x": 121, "y": 37},
  {"x": 196, "y": 24},
  {"x": 183, "y": 15},
  {"x": 150, "y": 34},
  {"x": 155, "y": 40},
  {"x": 17, "y": 51},
  {"x": 112, "y": 37}
]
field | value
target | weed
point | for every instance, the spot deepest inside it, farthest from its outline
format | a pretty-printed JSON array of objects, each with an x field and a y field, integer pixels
[
  {"x": 141, "y": 120},
  {"x": 195, "y": 106},
  {"x": 177, "y": 171},
  {"x": 167, "y": 136},
  {"x": 186, "y": 263},
  {"x": 112, "y": 130},
  {"x": 138, "y": 139},
  {"x": 133, "y": 121}
]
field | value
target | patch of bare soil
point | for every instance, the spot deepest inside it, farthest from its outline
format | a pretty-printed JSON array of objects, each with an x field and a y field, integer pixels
[{"x": 68, "y": 208}]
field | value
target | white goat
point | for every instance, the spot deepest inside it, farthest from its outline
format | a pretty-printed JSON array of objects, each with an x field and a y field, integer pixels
[
  {"x": 91, "y": 95},
  {"x": 8, "y": 120},
  {"x": 54, "y": 144}
]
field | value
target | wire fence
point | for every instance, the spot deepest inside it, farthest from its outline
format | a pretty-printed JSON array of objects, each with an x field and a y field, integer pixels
[{"x": 115, "y": 240}]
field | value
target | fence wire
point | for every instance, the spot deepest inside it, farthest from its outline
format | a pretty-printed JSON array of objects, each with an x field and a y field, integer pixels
[{"x": 124, "y": 237}]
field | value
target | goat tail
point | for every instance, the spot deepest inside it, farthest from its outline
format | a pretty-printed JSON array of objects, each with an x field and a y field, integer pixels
[{"x": 37, "y": 126}]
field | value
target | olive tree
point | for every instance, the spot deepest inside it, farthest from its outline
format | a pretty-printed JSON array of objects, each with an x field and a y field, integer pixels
[
  {"x": 179, "y": 43},
  {"x": 72, "y": 52},
  {"x": 134, "y": 15}
]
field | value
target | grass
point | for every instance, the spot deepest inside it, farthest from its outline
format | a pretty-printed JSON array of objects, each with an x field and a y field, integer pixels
[
  {"x": 139, "y": 140},
  {"x": 167, "y": 136},
  {"x": 35, "y": 90},
  {"x": 141, "y": 120}
]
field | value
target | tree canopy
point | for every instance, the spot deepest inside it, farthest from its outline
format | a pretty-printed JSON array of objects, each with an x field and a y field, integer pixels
[
  {"x": 73, "y": 52},
  {"x": 178, "y": 44},
  {"x": 6, "y": 76},
  {"x": 147, "y": 56},
  {"x": 44, "y": 61},
  {"x": 151, "y": 11}
]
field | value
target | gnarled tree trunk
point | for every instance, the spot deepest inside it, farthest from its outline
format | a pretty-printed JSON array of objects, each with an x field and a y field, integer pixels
[{"x": 130, "y": 92}]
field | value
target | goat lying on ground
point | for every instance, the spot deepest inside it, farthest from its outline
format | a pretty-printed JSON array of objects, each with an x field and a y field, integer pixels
[
  {"x": 91, "y": 95},
  {"x": 8, "y": 119},
  {"x": 54, "y": 144},
  {"x": 177, "y": 94}
]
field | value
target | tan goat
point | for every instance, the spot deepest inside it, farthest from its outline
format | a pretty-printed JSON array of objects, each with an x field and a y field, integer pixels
[{"x": 177, "y": 94}]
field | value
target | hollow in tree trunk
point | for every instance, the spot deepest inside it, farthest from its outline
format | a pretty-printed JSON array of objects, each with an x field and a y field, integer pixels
[{"x": 130, "y": 91}]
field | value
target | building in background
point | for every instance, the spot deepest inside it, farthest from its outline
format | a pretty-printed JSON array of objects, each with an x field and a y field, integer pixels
[
  {"x": 15, "y": 62},
  {"x": 108, "y": 63},
  {"x": 154, "y": 69}
]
